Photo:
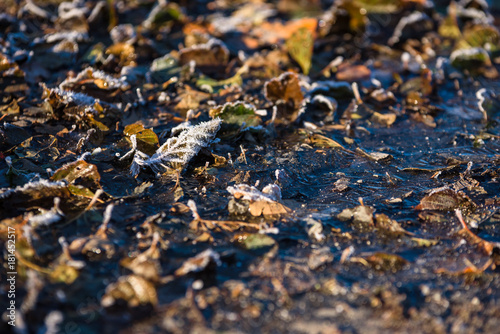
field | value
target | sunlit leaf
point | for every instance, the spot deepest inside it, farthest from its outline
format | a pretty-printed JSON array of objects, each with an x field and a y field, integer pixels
[
  {"x": 237, "y": 113},
  {"x": 146, "y": 135},
  {"x": 255, "y": 241},
  {"x": 300, "y": 46},
  {"x": 444, "y": 199}
]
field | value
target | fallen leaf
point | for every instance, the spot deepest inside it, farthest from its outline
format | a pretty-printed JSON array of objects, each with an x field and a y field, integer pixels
[{"x": 445, "y": 199}]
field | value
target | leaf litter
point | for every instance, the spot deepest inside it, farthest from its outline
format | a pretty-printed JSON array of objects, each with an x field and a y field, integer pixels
[{"x": 173, "y": 166}]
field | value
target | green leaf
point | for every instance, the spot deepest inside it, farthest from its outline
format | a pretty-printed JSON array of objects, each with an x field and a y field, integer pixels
[
  {"x": 237, "y": 113},
  {"x": 148, "y": 136},
  {"x": 300, "y": 46},
  {"x": 425, "y": 242},
  {"x": 80, "y": 191},
  {"x": 482, "y": 36},
  {"x": 379, "y": 6},
  {"x": 257, "y": 241}
]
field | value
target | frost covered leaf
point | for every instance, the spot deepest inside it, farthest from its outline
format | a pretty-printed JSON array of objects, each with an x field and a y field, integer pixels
[
  {"x": 473, "y": 60},
  {"x": 164, "y": 68},
  {"x": 78, "y": 107},
  {"x": 39, "y": 193},
  {"x": 206, "y": 260},
  {"x": 263, "y": 202},
  {"x": 270, "y": 193},
  {"x": 374, "y": 156},
  {"x": 237, "y": 113},
  {"x": 300, "y": 46},
  {"x": 445, "y": 199},
  {"x": 95, "y": 82},
  {"x": 177, "y": 151}
]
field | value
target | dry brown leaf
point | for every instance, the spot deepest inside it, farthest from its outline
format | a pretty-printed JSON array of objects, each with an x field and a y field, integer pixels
[
  {"x": 444, "y": 199},
  {"x": 267, "y": 208},
  {"x": 353, "y": 73}
]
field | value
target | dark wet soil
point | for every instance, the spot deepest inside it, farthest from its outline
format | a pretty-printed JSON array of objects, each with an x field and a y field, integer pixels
[{"x": 358, "y": 246}]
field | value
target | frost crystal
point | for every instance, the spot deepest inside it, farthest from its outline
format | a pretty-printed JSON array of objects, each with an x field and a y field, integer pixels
[
  {"x": 177, "y": 151},
  {"x": 80, "y": 99},
  {"x": 90, "y": 73},
  {"x": 270, "y": 193},
  {"x": 72, "y": 36},
  {"x": 36, "y": 185}
]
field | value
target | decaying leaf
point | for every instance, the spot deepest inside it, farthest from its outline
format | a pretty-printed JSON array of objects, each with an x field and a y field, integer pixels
[
  {"x": 375, "y": 156},
  {"x": 487, "y": 246},
  {"x": 386, "y": 262},
  {"x": 66, "y": 269},
  {"x": 91, "y": 81},
  {"x": 285, "y": 88},
  {"x": 37, "y": 193},
  {"x": 213, "y": 53},
  {"x": 97, "y": 245},
  {"x": 445, "y": 199},
  {"x": 263, "y": 202},
  {"x": 79, "y": 173},
  {"x": 134, "y": 291},
  {"x": 177, "y": 151},
  {"x": 146, "y": 264},
  {"x": 236, "y": 114},
  {"x": 353, "y": 73},
  {"x": 361, "y": 216},
  {"x": 384, "y": 223},
  {"x": 206, "y": 260},
  {"x": 199, "y": 224}
]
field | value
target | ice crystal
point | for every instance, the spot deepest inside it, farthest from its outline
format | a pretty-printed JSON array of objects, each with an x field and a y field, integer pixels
[
  {"x": 177, "y": 151},
  {"x": 270, "y": 193},
  {"x": 35, "y": 185},
  {"x": 80, "y": 99},
  {"x": 90, "y": 73}
]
